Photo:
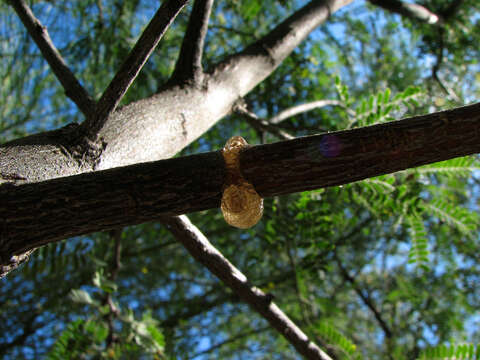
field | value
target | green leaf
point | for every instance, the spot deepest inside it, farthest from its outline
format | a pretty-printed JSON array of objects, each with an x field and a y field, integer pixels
[{"x": 82, "y": 297}]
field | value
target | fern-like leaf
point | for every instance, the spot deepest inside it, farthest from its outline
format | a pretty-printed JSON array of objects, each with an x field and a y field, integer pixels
[
  {"x": 337, "y": 339},
  {"x": 458, "y": 167},
  {"x": 419, "y": 249},
  {"x": 453, "y": 352},
  {"x": 460, "y": 218}
]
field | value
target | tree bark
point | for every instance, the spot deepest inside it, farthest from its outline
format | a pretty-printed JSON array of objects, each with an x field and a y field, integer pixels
[
  {"x": 36, "y": 214},
  {"x": 160, "y": 126}
]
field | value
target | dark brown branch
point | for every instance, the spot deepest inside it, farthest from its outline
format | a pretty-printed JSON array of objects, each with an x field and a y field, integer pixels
[
  {"x": 346, "y": 156},
  {"x": 413, "y": 11},
  {"x": 205, "y": 253},
  {"x": 436, "y": 67},
  {"x": 451, "y": 10},
  {"x": 73, "y": 89},
  {"x": 35, "y": 214},
  {"x": 230, "y": 340},
  {"x": 260, "y": 124},
  {"x": 367, "y": 300},
  {"x": 195, "y": 307},
  {"x": 189, "y": 63},
  {"x": 116, "y": 237},
  {"x": 133, "y": 64}
]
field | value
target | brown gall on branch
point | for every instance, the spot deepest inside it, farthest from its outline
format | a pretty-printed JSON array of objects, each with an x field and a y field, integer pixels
[
  {"x": 36, "y": 214},
  {"x": 241, "y": 205}
]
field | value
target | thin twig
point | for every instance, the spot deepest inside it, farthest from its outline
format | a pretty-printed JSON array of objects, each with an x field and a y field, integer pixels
[
  {"x": 189, "y": 63},
  {"x": 116, "y": 236},
  {"x": 204, "y": 252},
  {"x": 452, "y": 9},
  {"x": 241, "y": 109},
  {"x": 133, "y": 64},
  {"x": 367, "y": 300},
  {"x": 230, "y": 340},
  {"x": 295, "y": 110},
  {"x": 440, "y": 51},
  {"x": 73, "y": 89},
  {"x": 413, "y": 11}
]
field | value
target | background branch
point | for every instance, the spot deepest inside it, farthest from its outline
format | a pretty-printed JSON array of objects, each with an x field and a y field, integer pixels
[
  {"x": 205, "y": 253},
  {"x": 129, "y": 70},
  {"x": 295, "y": 110},
  {"x": 367, "y": 300},
  {"x": 73, "y": 89},
  {"x": 189, "y": 63},
  {"x": 260, "y": 124},
  {"x": 140, "y": 193},
  {"x": 436, "y": 67},
  {"x": 412, "y": 11}
]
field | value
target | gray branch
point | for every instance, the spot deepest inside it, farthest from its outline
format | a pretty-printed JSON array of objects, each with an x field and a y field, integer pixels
[
  {"x": 189, "y": 63},
  {"x": 73, "y": 89},
  {"x": 173, "y": 118},
  {"x": 34, "y": 214},
  {"x": 299, "y": 109},
  {"x": 243, "y": 71},
  {"x": 413, "y": 11},
  {"x": 205, "y": 253},
  {"x": 129, "y": 70}
]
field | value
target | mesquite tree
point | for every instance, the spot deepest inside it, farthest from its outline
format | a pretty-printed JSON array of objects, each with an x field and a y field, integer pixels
[{"x": 111, "y": 169}]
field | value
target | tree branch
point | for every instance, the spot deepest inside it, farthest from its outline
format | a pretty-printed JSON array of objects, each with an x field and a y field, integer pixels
[
  {"x": 413, "y": 11},
  {"x": 436, "y": 67},
  {"x": 260, "y": 124},
  {"x": 140, "y": 193},
  {"x": 129, "y": 70},
  {"x": 366, "y": 300},
  {"x": 295, "y": 110},
  {"x": 230, "y": 340},
  {"x": 205, "y": 253},
  {"x": 243, "y": 71},
  {"x": 173, "y": 118},
  {"x": 116, "y": 237},
  {"x": 73, "y": 89},
  {"x": 189, "y": 63}
]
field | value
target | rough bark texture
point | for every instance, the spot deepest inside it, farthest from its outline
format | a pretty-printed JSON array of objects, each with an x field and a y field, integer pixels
[
  {"x": 36, "y": 214},
  {"x": 132, "y": 65},
  {"x": 342, "y": 157},
  {"x": 160, "y": 126}
]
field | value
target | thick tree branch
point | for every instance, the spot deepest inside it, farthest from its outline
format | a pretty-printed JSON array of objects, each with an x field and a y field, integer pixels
[
  {"x": 413, "y": 11},
  {"x": 243, "y": 71},
  {"x": 189, "y": 63},
  {"x": 73, "y": 89},
  {"x": 140, "y": 193},
  {"x": 129, "y": 70},
  {"x": 205, "y": 253},
  {"x": 160, "y": 126}
]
